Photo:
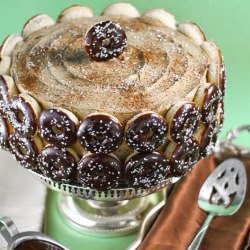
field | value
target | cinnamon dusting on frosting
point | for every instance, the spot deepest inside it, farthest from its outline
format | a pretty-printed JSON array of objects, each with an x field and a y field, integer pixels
[{"x": 159, "y": 67}]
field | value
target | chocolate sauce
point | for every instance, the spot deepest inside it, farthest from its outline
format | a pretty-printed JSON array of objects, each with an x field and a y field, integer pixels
[{"x": 37, "y": 245}]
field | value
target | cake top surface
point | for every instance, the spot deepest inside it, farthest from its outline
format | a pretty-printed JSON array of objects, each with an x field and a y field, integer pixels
[{"x": 159, "y": 67}]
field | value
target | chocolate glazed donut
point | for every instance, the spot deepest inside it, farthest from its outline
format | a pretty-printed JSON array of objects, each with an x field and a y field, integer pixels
[
  {"x": 210, "y": 133},
  {"x": 208, "y": 140},
  {"x": 145, "y": 170},
  {"x": 57, "y": 164},
  {"x": 24, "y": 150},
  {"x": 146, "y": 132},
  {"x": 4, "y": 95},
  {"x": 184, "y": 122},
  {"x": 212, "y": 98},
  {"x": 183, "y": 156},
  {"x": 105, "y": 40},
  {"x": 22, "y": 116},
  {"x": 100, "y": 133},
  {"x": 99, "y": 171},
  {"x": 7, "y": 91},
  {"x": 56, "y": 127},
  {"x": 4, "y": 133},
  {"x": 222, "y": 78}
]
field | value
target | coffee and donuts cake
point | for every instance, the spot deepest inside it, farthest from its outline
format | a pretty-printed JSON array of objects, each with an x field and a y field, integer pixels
[{"x": 110, "y": 100}]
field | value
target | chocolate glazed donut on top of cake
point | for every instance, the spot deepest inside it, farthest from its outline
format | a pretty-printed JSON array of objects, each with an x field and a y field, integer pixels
[{"x": 138, "y": 97}]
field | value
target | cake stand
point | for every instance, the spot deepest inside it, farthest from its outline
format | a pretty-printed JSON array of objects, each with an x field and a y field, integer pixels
[
  {"x": 114, "y": 212},
  {"x": 83, "y": 218}
]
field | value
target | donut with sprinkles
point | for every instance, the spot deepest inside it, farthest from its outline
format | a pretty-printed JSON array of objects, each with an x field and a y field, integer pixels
[
  {"x": 208, "y": 140},
  {"x": 145, "y": 132},
  {"x": 23, "y": 112},
  {"x": 5, "y": 131},
  {"x": 222, "y": 78},
  {"x": 58, "y": 127},
  {"x": 183, "y": 119},
  {"x": 145, "y": 170},
  {"x": 25, "y": 150},
  {"x": 100, "y": 133},
  {"x": 183, "y": 156},
  {"x": 58, "y": 164},
  {"x": 7, "y": 91},
  {"x": 208, "y": 98},
  {"x": 99, "y": 171},
  {"x": 105, "y": 40}
]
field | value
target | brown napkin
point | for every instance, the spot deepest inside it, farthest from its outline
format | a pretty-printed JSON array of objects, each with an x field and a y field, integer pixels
[{"x": 181, "y": 218}]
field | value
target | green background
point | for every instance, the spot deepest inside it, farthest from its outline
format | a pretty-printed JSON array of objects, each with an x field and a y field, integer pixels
[{"x": 225, "y": 21}]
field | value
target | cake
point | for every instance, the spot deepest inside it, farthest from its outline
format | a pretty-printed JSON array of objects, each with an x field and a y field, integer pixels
[{"x": 108, "y": 101}]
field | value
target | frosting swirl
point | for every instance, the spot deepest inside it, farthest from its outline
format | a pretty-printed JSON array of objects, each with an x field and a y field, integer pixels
[{"x": 53, "y": 67}]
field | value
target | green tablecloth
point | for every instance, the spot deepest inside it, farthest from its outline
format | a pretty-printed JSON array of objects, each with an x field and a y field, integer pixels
[{"x": 226, "y": 22}]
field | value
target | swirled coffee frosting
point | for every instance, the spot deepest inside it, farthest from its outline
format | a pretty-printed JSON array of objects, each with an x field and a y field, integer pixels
[
  {"x": 159, "y": 67},
  {"x": 109, "y": 101}
]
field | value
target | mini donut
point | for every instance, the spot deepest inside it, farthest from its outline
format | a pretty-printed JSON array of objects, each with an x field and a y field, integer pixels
[
  {"x": 183, "y": 156},
  {"x": 145, "y": 170},
  {"x": 58, "y": 164},
  {"x": 74, "y": 12},
  {"x": 58, "y": 127},
  {"x": 5, "y": 131},
  {"x": 100, "y": 133},
  {"x": 7, "y": 91},
  {"x": 163, "y": 16},
  {"x": 25, "y": 150},
  {"x": 217, "y": 124},
  {"x": 208, "y": 98},
  {"x": 9, "y": 45},
  {"x": 183, "y": 119},
  {"x": 105, "y": 40},
  {"x": 36, "y": 23},
  {"x": 192, "y": 31},
  {"x": 146, "y": 131},
  {"x": 99, "y": 171},
  {"x": 23, "y": 112},
  {"x": 206, "y": 136},
  {"x": 121, "y": 9},
  {"x": 222, "y": 78}
]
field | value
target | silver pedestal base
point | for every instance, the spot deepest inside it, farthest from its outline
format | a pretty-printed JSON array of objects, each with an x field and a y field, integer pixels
[{"x": 106, "y": 218}]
